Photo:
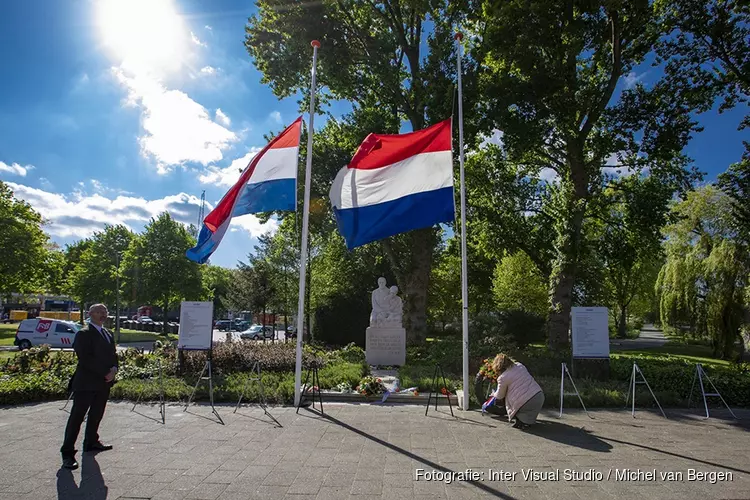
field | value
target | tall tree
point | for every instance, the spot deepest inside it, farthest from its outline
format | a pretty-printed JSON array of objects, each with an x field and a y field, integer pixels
[
  {"x": 23, "y": 245},
  {"x": 95, "y": 265},
  {"x": 550, "y": 71},
  {"x": 155, "y": 261},
  {"x": 629, "y": 240},
  {"x": 704, "y": 278},
  {"x": 215, "y": 282},
  {"x": 518, "y": 285},
  {"x": 376, "y": 55},
  {"x": 735, "y": 182},
  {"x": 707, "y": 50}
]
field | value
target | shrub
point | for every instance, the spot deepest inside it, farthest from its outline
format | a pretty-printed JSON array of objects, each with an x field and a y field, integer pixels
[
  {"x": 352, "y": 353},
  {"x": 343, "y": 320},
  {"x": 228, "y": 357}
]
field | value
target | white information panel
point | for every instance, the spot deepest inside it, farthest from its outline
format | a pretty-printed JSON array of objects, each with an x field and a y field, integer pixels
[
  {"x": 196, "y": 326},
  {"x": 590, "y": 327}
]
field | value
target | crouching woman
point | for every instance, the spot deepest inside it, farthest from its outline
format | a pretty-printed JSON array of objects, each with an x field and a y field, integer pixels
[{"x": 523, "y": 396}]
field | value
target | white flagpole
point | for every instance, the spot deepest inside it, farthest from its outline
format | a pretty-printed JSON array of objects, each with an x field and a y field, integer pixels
[
  {"x": 464, "y": 280},
  {"x": 305, "y": 221}
]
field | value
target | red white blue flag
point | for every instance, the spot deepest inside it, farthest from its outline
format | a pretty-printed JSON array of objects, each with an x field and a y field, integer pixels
[
  {"x": 268, "y": 183},
  {"x": 394, "y": 184}
]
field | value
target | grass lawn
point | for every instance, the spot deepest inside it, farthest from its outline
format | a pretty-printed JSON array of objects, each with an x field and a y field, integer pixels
[
  {"x": 691, "y": 353},
  {"x": 8, "y": 333}
]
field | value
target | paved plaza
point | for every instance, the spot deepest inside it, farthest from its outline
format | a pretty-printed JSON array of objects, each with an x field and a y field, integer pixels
[{"x": 374, "y": 451}]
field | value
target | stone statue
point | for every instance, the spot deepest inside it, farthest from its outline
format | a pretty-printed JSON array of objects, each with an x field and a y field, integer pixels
[
  {"x": 396, "y": 310},
  {"x": 385, "y": 339},
  {"x": 380, "y": 304},
  {"x": 387, "y": 307}
]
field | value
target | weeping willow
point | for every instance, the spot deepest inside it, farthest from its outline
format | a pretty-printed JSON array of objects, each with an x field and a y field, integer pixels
[{"x": 703, "y": 285}]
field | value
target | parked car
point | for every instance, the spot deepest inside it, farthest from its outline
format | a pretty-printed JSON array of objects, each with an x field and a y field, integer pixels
[
  {"x": 256, "y": 332},
  {"x": 39, "y": 331},
  {"x": 231, "y": 324},
  {"x": 145, "y": 319}
]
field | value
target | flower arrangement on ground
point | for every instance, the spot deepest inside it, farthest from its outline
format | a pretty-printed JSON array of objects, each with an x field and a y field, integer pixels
[{"x": 370, "y": 385}]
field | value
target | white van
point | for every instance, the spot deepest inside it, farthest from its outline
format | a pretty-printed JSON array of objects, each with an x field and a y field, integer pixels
[{"x": 38, "y": 331}]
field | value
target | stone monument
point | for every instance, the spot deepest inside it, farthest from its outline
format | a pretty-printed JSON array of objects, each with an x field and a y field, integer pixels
[{"x": 385, "y": 339}]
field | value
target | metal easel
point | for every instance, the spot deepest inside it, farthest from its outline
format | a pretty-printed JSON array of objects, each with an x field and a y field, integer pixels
[
  {"x": 563, "y": 371},
  {"x": 162, "y": 404},
  {"x": 700, "y": 374},
  {"x": 633, "y": 381},
  {"x": 207, "y": 366},
  {"x": 437, "y": 393}
]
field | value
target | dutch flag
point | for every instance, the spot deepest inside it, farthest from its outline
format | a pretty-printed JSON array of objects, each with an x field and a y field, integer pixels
[
  {"x": 395, "y": 184},
  {"x": 268, "y": 183}
]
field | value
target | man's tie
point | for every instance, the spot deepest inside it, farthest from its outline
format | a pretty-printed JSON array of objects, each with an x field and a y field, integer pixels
[{"x": 105, "y": 334}]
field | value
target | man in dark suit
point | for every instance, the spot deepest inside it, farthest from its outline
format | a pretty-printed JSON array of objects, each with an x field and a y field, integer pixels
[{"x": 94, "y": 375}]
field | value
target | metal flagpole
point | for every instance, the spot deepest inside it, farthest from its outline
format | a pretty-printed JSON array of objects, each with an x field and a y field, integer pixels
[
  {"x": 464, "y": 281},
  {"x": 305, "y": 222}
]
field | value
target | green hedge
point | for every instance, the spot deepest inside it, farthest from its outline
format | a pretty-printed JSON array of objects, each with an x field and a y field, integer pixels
[{"x": 39, "y": 374}]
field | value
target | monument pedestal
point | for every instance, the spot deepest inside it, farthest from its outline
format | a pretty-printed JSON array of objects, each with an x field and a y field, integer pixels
[{"x": 385, "y": 346}]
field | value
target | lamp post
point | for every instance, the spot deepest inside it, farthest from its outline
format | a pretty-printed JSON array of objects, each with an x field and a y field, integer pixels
[{"x": 117, "y": 299}]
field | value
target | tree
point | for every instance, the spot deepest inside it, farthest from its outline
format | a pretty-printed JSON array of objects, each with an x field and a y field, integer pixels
[
  {"x": 706, "y": 50},
  {"x": 444, "y": 297},
  {"x": 55, "y": 264},
  {"x": 518, "y": 285},
  {"x": 549, "y": 71},
  {"x": 155, "y": 263},
  {"x": 735, "y": 182},
  {"x": 629, "y": 240},
  {"x": 373, "y": 55},
  {"x": 707, "y": 269},
  {"x": 215, "y": 283},
  {"x": 23, "y": 246},
  {"x": 95, "y": 264}
]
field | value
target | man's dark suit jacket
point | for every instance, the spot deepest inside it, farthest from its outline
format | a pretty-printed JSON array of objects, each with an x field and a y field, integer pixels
[{"x": 96, "y": 357}]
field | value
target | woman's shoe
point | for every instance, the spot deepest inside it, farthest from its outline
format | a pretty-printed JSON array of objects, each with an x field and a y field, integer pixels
[{"x": 519, "y": 425}]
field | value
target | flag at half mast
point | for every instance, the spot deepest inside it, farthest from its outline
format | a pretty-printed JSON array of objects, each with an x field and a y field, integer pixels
[
  {"x": 395, "y": 184},
  {"x": 268, "y": 183}
]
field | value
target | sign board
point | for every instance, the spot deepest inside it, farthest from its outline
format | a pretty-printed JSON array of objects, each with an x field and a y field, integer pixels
[
  {"x": 590, "y": 332},
  {"x": 196, "y": 326}
]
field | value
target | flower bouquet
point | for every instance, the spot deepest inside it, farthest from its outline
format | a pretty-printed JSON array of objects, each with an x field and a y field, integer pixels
[{"x": 370, "y": 386}]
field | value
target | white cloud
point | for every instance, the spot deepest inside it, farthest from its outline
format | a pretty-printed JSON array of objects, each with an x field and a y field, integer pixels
[
  {"x": 222, "y": 118},
  {"x": 209, "y": 28},
  {"x": 208, "y": 70},
  {"x": 196, "y": 40},
  {"x": 632, "y": 78},
  {"x": 548, "y": 175},
  {"x": 227, "y": 176},
  {"x": 495, "y": 138},
  {"x": 15, "y": 169},
  {"x": 275, "y": 116},
  {"x": 613, "y": 166},
  {"x": 177, "y": 129},
  {"x": 80, "y": 215}
]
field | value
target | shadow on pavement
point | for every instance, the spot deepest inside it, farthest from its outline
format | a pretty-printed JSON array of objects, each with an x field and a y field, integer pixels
[
  {"x": 568, "y": 435},
  {"x": 488, "y": 490},
  {"x": 657, "y": 450},
  {"x": 92, "y": 482}
]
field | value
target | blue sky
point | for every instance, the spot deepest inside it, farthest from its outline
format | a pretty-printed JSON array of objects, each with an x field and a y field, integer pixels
[{"x": 112, "y": 115}]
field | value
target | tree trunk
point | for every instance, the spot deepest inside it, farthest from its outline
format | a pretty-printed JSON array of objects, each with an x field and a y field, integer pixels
[
  {"x": 622, "y": 327},
  {"x": 562, "y": 281},
  {"x": 416, "y": 281}
]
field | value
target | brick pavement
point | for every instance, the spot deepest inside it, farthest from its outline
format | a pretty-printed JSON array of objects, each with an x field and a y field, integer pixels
[{"x": 366, "y": 452}]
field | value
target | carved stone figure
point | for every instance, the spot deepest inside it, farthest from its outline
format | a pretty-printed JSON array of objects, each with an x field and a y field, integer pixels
[
  {"x": 380, "y": 305},
  {"x": 396, "y": 308},
  {"x": 387, "y": 307}
]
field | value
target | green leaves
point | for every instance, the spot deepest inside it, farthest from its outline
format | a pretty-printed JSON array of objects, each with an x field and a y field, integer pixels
[{"x": 23, "y": 246}]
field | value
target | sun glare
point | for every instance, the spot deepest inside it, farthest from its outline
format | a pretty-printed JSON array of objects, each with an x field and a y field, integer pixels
[{"x": 144, "y": 35}]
